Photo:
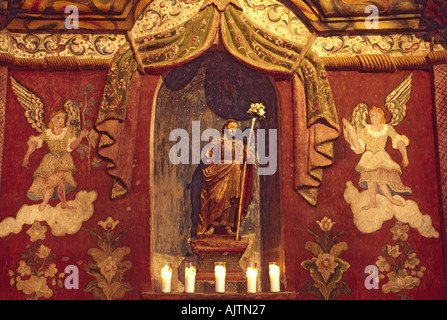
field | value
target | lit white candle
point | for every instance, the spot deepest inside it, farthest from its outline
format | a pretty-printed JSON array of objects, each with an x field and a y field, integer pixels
[
  {"x": 252, "y": 274},
  {"x": 274, "y": 277},
  {"x": 166, "y": 276},
  {"x": 190, "y": 277},
  {"x": 219, "y": 274}
]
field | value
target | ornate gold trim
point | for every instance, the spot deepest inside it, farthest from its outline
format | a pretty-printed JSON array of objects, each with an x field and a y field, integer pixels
[
  {"x": 384, "y": 62},
  {"x": 365, "y": 63},
  {"x": 57, "y": 63}
]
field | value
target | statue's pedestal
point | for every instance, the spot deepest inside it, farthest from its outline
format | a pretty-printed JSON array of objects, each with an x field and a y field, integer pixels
[{"x": 219, "y": 248}]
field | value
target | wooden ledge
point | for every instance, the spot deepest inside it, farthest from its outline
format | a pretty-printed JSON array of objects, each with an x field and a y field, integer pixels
[{"x": 287, "y": 295}]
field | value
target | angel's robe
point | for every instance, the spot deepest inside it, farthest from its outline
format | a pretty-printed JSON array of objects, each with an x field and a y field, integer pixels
[
  {"x": 56, "y": 166},
  {"x": 376, "y": 165}
]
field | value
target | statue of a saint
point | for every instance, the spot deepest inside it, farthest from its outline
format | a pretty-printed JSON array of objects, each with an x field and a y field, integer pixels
[{"x": 222, "y": 189}]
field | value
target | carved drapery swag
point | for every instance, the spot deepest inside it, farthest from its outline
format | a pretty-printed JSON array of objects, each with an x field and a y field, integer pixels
[
  {"x": 117, "y": 120},
  {"x": 315, "y": 127}
]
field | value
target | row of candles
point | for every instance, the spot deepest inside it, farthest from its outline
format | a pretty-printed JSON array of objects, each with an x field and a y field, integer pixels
[{"x": 219, "y": 277}]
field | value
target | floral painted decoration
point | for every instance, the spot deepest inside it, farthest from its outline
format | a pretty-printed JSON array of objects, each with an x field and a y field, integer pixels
[
  {"x": 398, "y": 263},
  {"x": 37, "y": 274},
  {"x": 326, "y": 268},
  {"x": 116, "y": 88},
  {"x": 109, "y": 267}
]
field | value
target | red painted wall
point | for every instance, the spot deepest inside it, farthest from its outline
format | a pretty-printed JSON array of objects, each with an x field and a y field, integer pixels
[
  {"x": 132, "y": 210},
  {"x": 350, "y": 88}
]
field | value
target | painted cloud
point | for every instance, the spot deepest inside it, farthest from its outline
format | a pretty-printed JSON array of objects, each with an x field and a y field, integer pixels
[
  {"x": 371, "y": 220},
  {"x": 61, "y": 221}
]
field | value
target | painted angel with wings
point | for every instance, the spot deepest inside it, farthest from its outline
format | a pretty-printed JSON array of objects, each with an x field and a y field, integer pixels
[
  {"x": 53, "y": 178},
  {"x": 378, "y": 172}
]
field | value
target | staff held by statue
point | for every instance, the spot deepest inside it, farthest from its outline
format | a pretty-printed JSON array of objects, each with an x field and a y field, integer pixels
[{"x": 257, "y": 110}]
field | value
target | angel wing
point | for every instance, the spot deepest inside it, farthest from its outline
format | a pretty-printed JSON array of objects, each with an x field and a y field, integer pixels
[
  {"x": 33, "y": 105},
  {"x": 396, "y": 100},
  {"x": 71, "y": 107},
  {"x": 359, "y": 114}
]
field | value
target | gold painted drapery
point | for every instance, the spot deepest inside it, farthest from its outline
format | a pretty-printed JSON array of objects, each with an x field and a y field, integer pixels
[
  {"x": 315, "y": 124},
  {"x": 117, "y": 119}
]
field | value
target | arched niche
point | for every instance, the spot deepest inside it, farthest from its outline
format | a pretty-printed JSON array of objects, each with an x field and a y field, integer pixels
[{"x": 208, "y": 90}]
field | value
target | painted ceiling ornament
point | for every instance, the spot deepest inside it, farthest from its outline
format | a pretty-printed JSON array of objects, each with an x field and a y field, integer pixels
[{"x": 221, "y": 5}]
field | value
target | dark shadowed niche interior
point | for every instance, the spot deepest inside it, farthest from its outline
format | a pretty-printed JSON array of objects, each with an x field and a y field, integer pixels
[{"x": 208, "y": 91}]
